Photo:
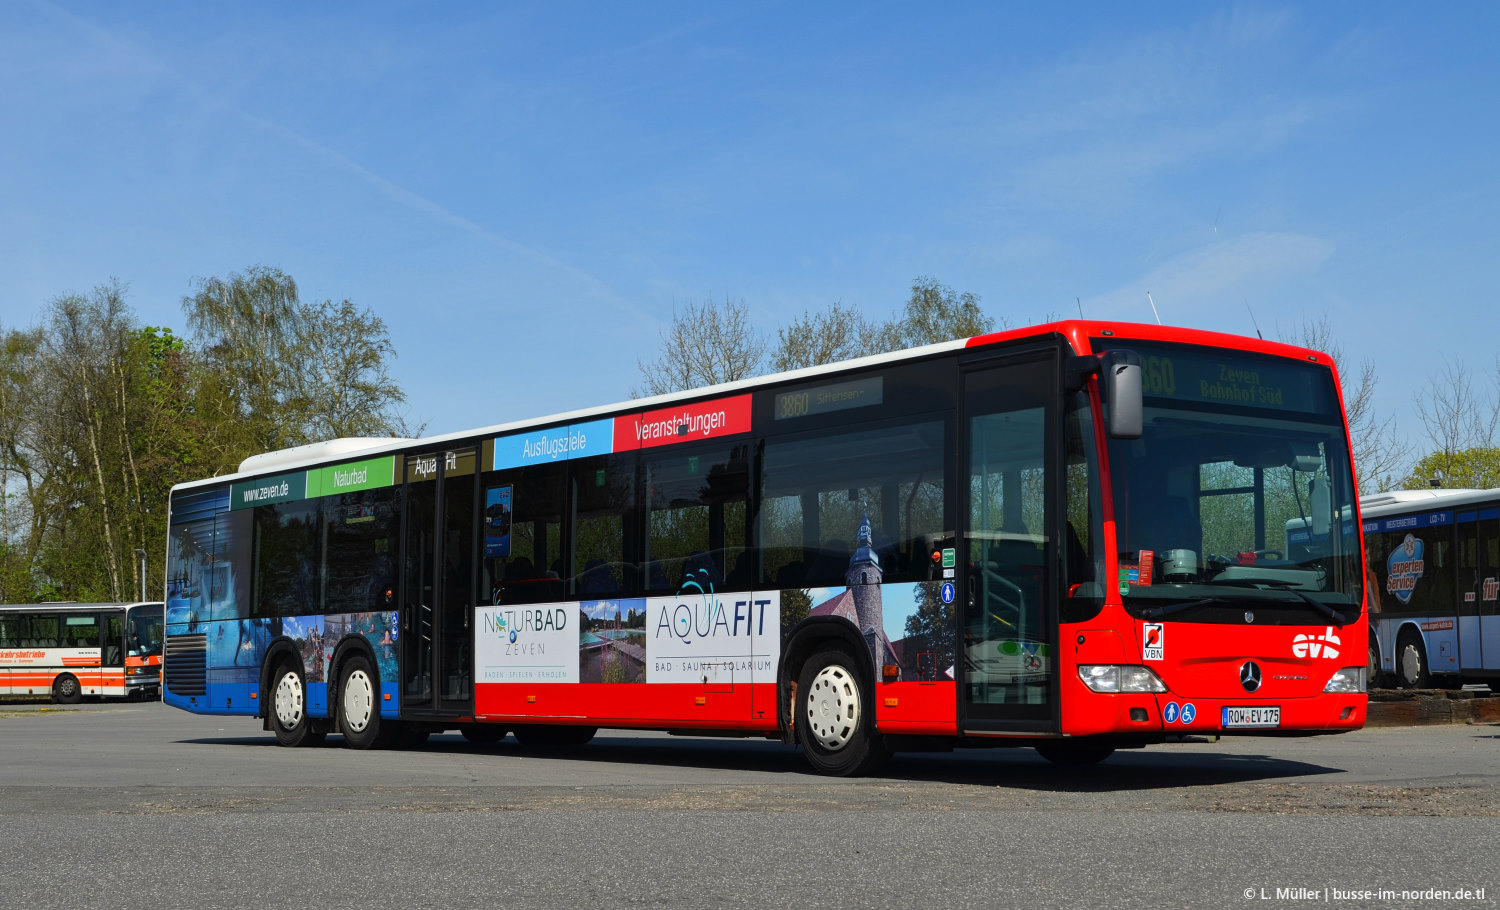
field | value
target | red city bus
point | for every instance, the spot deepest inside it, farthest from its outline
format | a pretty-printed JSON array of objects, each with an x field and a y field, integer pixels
[{"x": 1071, "y": 537}]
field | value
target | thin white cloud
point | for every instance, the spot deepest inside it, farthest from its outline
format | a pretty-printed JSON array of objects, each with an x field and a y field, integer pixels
[
  {"x": 141, "y": 61},
  {"x": 1214, "y": 276}
]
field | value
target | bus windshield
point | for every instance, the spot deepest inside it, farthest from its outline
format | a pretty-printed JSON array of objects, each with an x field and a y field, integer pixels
[
  {"x": 1238, "y": 499},
  {"x": 144, "y": 632}
]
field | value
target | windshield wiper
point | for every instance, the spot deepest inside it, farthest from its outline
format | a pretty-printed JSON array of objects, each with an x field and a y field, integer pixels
[
  {"x": 1278, "y": 585},
  {"x": 1169, "y": 609}
]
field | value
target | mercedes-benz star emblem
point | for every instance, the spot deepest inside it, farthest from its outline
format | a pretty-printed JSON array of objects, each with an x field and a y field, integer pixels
[
  {"x": 1250, "y": 675},
  {"x": 1249, "y": 616}
]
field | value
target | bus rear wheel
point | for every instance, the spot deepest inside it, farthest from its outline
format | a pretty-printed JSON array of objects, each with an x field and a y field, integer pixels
[
  {"x": 482, "y": 735},
  {"x": 359, "y": 708},
  {"x": 66, "y": 690},
  {"x": 1411, "y": 661},
  {"x": 289, "y": 717},
  {"x": 836, "y": 718}
]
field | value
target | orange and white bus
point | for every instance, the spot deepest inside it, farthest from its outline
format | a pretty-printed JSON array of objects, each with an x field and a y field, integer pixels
[{"x": 70, "y": 650}]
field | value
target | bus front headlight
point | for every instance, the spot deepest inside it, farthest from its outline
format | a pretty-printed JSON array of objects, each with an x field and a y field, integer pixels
[{"x": 1349, "y": 681}]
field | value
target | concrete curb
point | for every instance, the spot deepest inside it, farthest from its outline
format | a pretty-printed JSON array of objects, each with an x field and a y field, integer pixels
[{"x": 1423, "y": 707}]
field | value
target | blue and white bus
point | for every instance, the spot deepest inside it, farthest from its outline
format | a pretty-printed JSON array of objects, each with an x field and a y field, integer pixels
[{"x": 1434, "y": 583}]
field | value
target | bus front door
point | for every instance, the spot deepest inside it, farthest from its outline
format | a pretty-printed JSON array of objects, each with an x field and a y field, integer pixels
[
  {"x": 437, "y": 603},
  {"x": 1007, "y": 599}
]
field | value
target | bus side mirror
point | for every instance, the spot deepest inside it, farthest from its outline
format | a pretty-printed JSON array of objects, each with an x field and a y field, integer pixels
[{"x": 1120, "y": 388}]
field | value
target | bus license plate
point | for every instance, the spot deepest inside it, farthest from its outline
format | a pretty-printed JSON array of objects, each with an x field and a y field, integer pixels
[{"x": 1252, "y": 717}]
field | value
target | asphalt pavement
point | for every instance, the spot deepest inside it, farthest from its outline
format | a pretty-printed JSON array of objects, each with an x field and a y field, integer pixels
[{"x": 112, "y": 804}]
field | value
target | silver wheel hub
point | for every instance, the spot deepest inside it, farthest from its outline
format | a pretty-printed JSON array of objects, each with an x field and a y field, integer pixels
[
  {"x": 289, "y": 700},
  {"x": 1411, "y": 663},
  {"x": 358, "y": 700},
  {"x": 833, "y": 708}
]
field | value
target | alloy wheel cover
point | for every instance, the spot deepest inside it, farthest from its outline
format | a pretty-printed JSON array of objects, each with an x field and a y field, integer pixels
[{"x": 833, "y": 708}]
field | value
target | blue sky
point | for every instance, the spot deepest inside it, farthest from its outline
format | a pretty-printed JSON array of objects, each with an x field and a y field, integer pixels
[{"x": 524, "y": 191}]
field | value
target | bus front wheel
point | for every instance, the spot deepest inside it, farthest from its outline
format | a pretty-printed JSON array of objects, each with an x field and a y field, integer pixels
[
  {"x": 1411, "y": 661},
  {"x": 289, "y": 708},
  {"x": 66, "y": 690},
  {"x": 836, "y": 717},
  {"x": 1073, "y": 754},
  {"x": 359, "y": 708}
]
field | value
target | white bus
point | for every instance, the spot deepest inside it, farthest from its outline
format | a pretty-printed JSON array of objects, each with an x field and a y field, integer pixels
[
  {"x": 1434, "y": 582},
  {"x": 69, "y": 650}
]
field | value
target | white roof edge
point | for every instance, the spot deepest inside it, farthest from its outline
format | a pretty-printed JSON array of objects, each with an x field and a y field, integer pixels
[
  {"x": 1037, "y": 331},
  {"x": 382, "y": 446},
  {"x": 316, "y": 451},
  {"x": 1397, "y": 499},
  {"x": 63, "y": 606}
]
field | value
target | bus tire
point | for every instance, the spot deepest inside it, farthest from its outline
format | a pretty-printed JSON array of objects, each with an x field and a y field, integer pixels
[
  {"x": 1070, "y": 754},
  {"x": 289, "y": 718},
  {"x": 550, "y": 737},
  {"x": 66, "y": 690},
  {"x": 1411, "y": 661},
  {"x": 1376, "y": 677},
  {"x": 836, "y": 717},
  {"x": 483, "y": 735},
  {"x": 359, "y": 708}
]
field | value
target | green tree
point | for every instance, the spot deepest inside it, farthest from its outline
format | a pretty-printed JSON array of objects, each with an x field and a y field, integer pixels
[
  {"x": 838, "y": 333},
  {"x": 705, "y": 344},
  {"x": 18, "y": 363},
  {"x": 934, "y": 312},
  {"x": 104, "y": 431},
  {"x": 1379, "y": 452},
  {"x": 1461, "y": 423},
  {"x": 272, "y": 372},
  {"x": 1476, "y": 468}
]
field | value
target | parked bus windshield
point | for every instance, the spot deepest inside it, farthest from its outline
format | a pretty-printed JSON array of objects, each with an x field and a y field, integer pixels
[{"x": 1234, "y": 448}]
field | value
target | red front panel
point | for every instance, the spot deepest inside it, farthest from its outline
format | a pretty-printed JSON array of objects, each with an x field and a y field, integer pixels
[{"x": 1204, "y": 667}]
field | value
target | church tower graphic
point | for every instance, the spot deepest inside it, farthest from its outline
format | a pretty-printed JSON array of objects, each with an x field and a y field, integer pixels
[{"x": 863, "y": 579}]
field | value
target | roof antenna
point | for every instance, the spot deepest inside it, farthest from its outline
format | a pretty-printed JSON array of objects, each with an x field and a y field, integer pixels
[
  {"x": 1237, "y": 281},
  {"x": 1153, "y": 308},
  {"x": 1080, "y": 307}
]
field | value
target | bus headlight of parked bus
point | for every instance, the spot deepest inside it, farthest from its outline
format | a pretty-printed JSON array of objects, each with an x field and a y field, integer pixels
[
  {"x": 1349, "y": 680},
  {"x": 1113, "y": 678}
]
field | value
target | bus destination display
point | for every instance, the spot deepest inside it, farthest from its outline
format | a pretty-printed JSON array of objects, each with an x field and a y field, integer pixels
[
  {"x": 824, "y": 399},
  {"x": 1185, "y": 374}
]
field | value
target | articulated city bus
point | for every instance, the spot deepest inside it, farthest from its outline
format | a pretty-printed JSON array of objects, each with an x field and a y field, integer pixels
[
  {"x": 69, "y": 650},
  {"x": 1435, "y": 586},
  {"x": 1070, "y": 537}
]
